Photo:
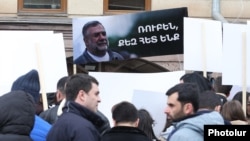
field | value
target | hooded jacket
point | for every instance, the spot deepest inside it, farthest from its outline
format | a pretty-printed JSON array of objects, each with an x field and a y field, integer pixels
[
  {"x": 192, "y": 128},
  {"x": 17, "y": 116}
]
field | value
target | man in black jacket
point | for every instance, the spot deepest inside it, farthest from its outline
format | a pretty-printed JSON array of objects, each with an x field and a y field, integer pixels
[
  {"x": 79, "y": 120},
  {"x": 126, "y": 120},
  {"x": 51, "y": 115}
]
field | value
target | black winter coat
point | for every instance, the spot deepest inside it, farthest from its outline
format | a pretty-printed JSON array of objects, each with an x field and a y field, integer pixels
[
  {"x": 125, "y": 133},
  {"x": 17, "y": 116},
  {"x": 76, "y": 123}
]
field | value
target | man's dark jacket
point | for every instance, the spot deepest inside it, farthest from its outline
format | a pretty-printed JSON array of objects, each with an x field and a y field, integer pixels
[
  {"x": 125, "y": 133},
  {"x": 76, "y": 123}
]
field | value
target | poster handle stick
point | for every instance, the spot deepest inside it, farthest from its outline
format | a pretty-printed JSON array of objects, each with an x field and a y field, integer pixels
[
  {"x": 41, "y": 77},
  {"x": 203, "y": 46},
  {"x": 74, "y": 69},
  {"x": 244, "y": 73}
]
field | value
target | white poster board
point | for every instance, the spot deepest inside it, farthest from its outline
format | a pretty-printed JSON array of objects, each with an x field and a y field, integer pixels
[
  {"x": 117, "y": 87},
  {"x": 202, "y": 45},
  {"x": 234, "y": 90},
  {"x": 22, "y": 51},
  {"x": 233, "y": 43}
]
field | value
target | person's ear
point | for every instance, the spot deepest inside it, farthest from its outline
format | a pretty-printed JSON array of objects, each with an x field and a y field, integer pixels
[
  {"x": 188, "y": 108},
  {"x": 217, "y": 108},
  {"x": 137, "y": 122},
  {"x": 81, "y": 95},
  {"x": 59, "y": 96},
  {"x": 85, "y": 41},
  {"x": 114, "y": 122}
]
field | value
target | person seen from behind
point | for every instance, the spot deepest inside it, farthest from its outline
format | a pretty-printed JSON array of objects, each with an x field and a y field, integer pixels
[
  {"x": 29, "y": 82},
  {"x": 195, "y": 77},
  {"x": 146, "y": 123},
  {"x": 17, "y": 116},
  {"x": 238, "y": 96},
  {"x": 126, "y": 120},
  {"x": 222, "y": 90},
  {"x": 233, "y": 112},
  {"x": 210, "y": 104}
]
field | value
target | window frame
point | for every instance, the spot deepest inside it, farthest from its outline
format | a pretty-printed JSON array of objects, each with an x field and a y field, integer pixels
[
  {"x": 106, "y": 10},
  {"x": 62, "y": 10}
]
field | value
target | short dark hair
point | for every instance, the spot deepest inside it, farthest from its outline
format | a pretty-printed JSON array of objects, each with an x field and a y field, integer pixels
[
  {"x": 61, "y": 84},
  {"x": 88, "y": 25},
  {"x": 187, "y": 92},
  {"x": 195, "y": 77},
  {"x": 209, "y": 100},
  {"x": 124, "y": 112},
  {"x": 220, "y": 88},
  {"x": 78, "y": 82}
]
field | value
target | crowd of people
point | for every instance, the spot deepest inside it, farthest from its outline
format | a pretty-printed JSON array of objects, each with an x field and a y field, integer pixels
[{"x": 191, "y": 104}]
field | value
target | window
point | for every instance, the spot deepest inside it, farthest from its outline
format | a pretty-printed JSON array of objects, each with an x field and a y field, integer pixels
[
  {"x": 42, "y": 6},
  {"x": 125, "y": 6}
]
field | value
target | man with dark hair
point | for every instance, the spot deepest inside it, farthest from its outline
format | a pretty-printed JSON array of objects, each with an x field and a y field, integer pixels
[
  {"x": 50, "y": 115},
  {"x": 209, "y": 100},
  {"x": 79, "y": 120},
  {"x": 222, "y": 90},
  {"x": 182, "y": 108},
  {"x": 195, "y": 77},
  {"x": 126, "y": 120},
  {"x": 96, "y": 42}
]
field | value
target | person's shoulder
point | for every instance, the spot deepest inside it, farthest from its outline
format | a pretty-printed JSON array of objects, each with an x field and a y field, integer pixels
[
  {"x": 50, "y": 115},
  {"x": 73, "y": 119},
  {"x": 79, "y": 60},
  {"x": 115, "y": 55},
  {"x": 84, "y": 58},
  {"x": 39, "y": 122},
  {"x": 40, "y": 129},
  {"x": 186, "y": 137},
  {"x": 187, "y": 134},
  {"x": 239, "y": 122}
]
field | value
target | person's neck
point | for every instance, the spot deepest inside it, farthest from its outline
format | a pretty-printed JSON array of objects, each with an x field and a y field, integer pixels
[
  {"x": 129, "y": 124},
  {"x": 222, "y": 94}
]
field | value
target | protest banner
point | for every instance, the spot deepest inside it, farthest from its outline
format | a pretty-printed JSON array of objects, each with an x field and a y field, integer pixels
[{"x": 143, "y": 34}]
